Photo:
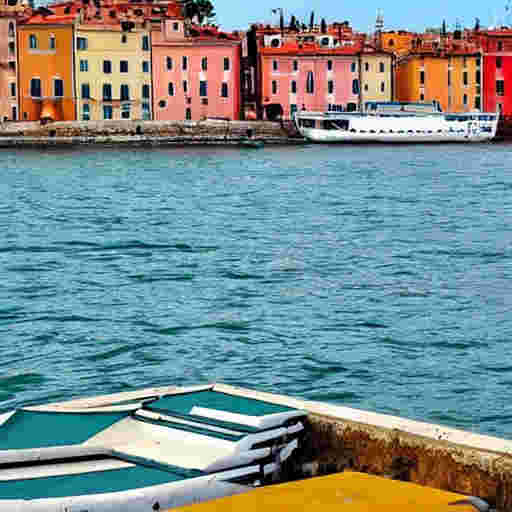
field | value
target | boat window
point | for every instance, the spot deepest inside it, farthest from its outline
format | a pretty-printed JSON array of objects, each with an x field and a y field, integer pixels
[
  {"x": 401, "y": 131},
  {"x": 429, "y": 131},
  {"x": 336, "y": 124},
  {"x": 307, "y": 123},
  {"x": 439, "y": 131},
  {"x": 410, "y": 131},
  {"x": 486, "y": 129},
  {"x": 372, "y": 131},
  {"x": 353, "y": 130},
  {"x": 362, "y": 131}
]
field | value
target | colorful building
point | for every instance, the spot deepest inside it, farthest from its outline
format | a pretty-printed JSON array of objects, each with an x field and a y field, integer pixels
[
  {"x": 196, "y": 72},
  {"x": 113, "y": 84},
  {"x": 497, "y": 72},
  {"x": 45, "y": 57},
  {"x": 376, "y": 69},
  {"x": 8, "y": 78},
  {"x": 451, "y": 77},
  {"x": 309, "y": 76}
]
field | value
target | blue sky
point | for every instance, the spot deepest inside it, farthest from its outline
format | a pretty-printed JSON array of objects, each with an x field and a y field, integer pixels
[{"x": 233, "y": 14}]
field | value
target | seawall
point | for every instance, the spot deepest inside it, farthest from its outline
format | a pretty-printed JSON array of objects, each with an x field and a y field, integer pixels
[
  {"x": 145, "y": 133},
  {"x": 432, "y": 455}
]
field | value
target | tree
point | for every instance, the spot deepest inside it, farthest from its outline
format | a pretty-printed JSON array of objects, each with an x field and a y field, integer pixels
[
  {"x": 443, "y": 29},
  {"x": 323, "y": 26},
  {"x": 199, "y": 9},
  {"x": 312, "y": 20},
  {"x": 477, "y": 24}
]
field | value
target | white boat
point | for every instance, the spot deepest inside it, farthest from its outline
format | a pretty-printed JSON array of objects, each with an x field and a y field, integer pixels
[
  {"x": 156, "y": 450},
  {"x": 397, "y": 122}
]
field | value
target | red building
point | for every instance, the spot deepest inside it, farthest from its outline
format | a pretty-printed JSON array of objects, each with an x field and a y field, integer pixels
[{"x": 497, "y": 66}]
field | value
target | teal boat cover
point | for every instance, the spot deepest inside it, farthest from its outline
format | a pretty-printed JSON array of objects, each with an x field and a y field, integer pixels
[
  {"x": 36, "y": 429},
  {"x": 181, "y": 405},
  {"x": 94, "y": 482}
]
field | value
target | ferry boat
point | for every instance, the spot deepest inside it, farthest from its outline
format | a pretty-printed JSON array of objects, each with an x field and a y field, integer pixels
[{"x": 397, "y": 122}]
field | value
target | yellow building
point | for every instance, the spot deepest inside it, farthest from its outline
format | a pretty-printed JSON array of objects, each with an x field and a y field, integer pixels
[
  {"x": 376, "y": 73},
  {"x": 113, "y": 72},
  {"x": 453, "y": 80}
]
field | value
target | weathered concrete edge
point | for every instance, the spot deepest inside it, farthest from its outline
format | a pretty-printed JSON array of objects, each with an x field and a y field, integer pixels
[{"x": 135, "y": 140}]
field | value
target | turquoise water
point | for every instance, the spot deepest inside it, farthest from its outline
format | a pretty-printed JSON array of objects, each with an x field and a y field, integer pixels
[{"x": 372, "y": 276}]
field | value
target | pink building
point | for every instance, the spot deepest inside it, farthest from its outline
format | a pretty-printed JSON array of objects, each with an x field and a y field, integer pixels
[
  {"x": 195, "y": 75},
  {"x": 8, "y": 82},
  {"x": 311, "y": 76}
]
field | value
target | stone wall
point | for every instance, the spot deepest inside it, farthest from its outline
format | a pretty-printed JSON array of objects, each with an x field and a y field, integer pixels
[{"x": 150, "y": 131}]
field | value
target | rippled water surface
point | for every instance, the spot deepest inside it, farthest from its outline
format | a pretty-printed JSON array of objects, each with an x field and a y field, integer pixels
[{"x": 372, "y": 276}]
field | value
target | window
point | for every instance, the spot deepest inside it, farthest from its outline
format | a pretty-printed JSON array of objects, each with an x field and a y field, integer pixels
[
  {"x": 500, "y": 87},
  {"x": 293, "y": 110},
  {"x": 465, "y": 62},
  {"x": 330, "y": 87},
  {"x": 145, "y": 91},
  {"x": 365, "y": 87},
  {"x": 422, "y": 97},
  {"x": 382, "y": 86},
  {"x": 185, "y": 86},
  {"x": 107, "y": 92},
  {"x": 86, "y": 112},
  {"x": 275, "y": 65},
  {"x": 224, "y": 90},
  {"x": 499, "y": 62},
  {"x": 168, "y": 63},
  {"x": 422, "y": 77},
  {"x": 81, "y": 43},
  {"x": 52, "y": 43},
  {"x": 367, "y": 66},
  {"x": 500, "y": 46},
  {"x": 12, "y": 89},
  {"x": 125, "y": 111},
  {"x": 449, "y": 77},
  {"x": 465, "y": 78},
  {"x": 162, "y": 103},
  {"x": 170, "y": 88},
  {"x": 35, "y": 87},
  {"x": 145, "y": 66},
  {"x": 478, "y": 62},
  {"x": 12, "y": 65},
  {"x": 295, "y": 65},
  {"x": 226, "y": 64},
  {"x": 355, "y": 86},
  {"x": 203, "y": 88},
  {"x": 175, "y": 26},
  {"x": 188, "y": 114},
  {"x": 123, "y": 66},
  {"x": 465, "y": 100},
  {"x": 86, "y": 91},
  {"x": 11, "y": 48},
  {"x": 125, "y": 92},
  {"x": 477, "y": 102},
  {"x": 382, "y": 67},
  {"x": 477, "y": 77},
  {"x": 14, "y": 113},
  {"x": 204, "y": 63},
  {"x": 146, "y": 112},
  {"x": 310, "y": 83},
  {"x": 145, "y": 43},
  {"x": 11, "y": 29},
  {"x": 32, "y": 39},
  {"x": 274, "y": 87},
  {"x": 107, "y": 66},
  {"x": 391, "y": 42},
  {"x": 84, "y": 65},
  {"x": 293, "y": 87},
  {"x": 353, "y": 67},
  {"x": 107, "y": 111},
  {"x": 124, "y": 39},
  {"x": 329, "y": 65},
  {"x": 184, "y": 63}
]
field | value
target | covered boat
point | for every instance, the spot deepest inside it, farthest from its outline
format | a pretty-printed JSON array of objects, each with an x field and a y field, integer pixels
[
  {"x": 397, "y": 122},
  {"x": 158, "y": 449}
]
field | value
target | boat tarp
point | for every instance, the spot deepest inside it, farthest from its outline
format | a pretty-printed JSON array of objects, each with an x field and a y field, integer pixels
[
  {"x": 348, "y": 491},
  {"x": 96, "y": 482},
  {"x": 182, "y": 405},
  {"x": 37, "y": 429}
]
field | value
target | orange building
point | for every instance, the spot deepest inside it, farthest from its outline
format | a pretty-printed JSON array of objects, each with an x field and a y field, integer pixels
[
  {"x": 398, "y": 42},
  {"x": 452, "y": 78},
  {"x": 46, "y": 81}
]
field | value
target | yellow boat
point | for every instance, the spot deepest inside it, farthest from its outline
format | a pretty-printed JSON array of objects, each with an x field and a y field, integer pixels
[{"x": 343, "y": 492}]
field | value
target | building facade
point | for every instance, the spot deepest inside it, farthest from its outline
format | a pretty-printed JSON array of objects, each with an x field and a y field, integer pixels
[
  {"x": 113, "y": 84},
  {"x": 46, "y": 75},
  {"x": 196, "y": 74},
  {"x": 8, "y": 66},
  {"x": 453, "y": 79},
  {"x": 376, "y": 70},
  {"x": 309, "y": 77}
]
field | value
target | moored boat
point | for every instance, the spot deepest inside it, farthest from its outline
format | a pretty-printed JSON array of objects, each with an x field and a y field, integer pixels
[
  {"x": 159, "y": 449},
  {"x": 397, "y": 122}
]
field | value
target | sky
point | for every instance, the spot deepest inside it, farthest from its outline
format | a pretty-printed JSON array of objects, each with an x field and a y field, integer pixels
[{"x": 233, "y": 14}]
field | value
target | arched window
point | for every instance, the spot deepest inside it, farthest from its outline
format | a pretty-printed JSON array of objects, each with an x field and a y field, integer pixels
[
  {"x": 11, "y": 29},
  {"x": 391, "y": 42},
  {"x": 355, "y": 86},
  {"x": 145, "y": 91},
  {"x": 32, "y": 39},
  {"x": 52, "y": 42},
  {"x": 171, "y": 89},
  {"x": 169, "y": 63},
  {"x": 310, "y": 83}
]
